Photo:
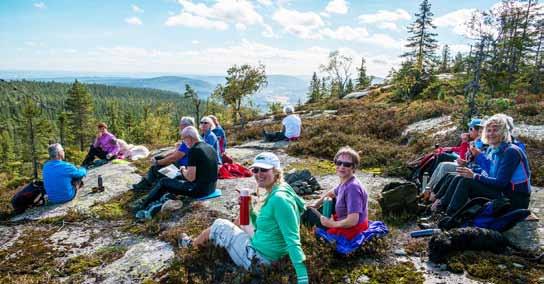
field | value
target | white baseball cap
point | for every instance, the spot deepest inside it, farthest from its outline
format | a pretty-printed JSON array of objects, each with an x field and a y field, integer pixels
[{"x": 266, "y": 160}]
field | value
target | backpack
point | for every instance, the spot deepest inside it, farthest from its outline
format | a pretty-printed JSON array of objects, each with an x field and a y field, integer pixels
[
  {"x": 31, "y": 195},
  {"x": 495, "y": 214}
]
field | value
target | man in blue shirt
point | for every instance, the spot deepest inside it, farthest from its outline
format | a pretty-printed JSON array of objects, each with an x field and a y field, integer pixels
[
  {"x": 178, "y": 157},
  {"x": 61, "y": 179}
]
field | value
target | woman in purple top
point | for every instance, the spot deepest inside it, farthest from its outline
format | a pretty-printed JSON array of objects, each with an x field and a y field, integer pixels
[
  {"x": 104, "y": 147},
  {"x": 351, "y": 205}
]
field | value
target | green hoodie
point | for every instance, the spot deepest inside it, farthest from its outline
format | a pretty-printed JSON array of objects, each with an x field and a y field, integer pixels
[{"x": 277, "y": 228}]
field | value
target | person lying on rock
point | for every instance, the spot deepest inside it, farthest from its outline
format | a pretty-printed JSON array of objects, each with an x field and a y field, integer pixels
[
  {"x": 351, "y": 200},
  {"x": 277, "y": 231},
  {"x": 206, "y": 130},
  {"x": 290, "y": 129},
  {"x": 178, "y": 157},
  {"x": 509, "y": 174},
  {"x": 104, "y": 146},
  {"x": 198, "y": 179},
  {"x": 61, "y": 179}
]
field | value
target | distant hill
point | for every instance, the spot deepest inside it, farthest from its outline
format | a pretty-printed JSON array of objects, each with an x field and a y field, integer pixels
[{"x": 281, "y": 88}]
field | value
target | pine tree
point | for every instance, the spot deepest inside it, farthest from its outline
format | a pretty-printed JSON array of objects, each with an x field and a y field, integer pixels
[
  {"x": 445, "y": 63},
  {"x": 422, "y": 43},
  {"x": 191, "y": 94},
  {"x": 349, "y": 87},
  {"x": 314, "y": 91},
  {"x": 363, "y": 81},
  {"x": 79, "y": 107},
  {"x": 458, "y": 63},
  {"x": 323, "y": 91}
]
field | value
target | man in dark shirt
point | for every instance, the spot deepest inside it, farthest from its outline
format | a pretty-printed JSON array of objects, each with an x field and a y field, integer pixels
[{"x": 200, "y": 175}]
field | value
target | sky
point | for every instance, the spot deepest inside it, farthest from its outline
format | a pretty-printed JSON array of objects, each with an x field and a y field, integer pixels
[{"x": 291, "y": 37}]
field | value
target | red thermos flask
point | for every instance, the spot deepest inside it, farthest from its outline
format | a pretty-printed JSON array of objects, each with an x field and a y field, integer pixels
[{"x": 245, "y": 200}]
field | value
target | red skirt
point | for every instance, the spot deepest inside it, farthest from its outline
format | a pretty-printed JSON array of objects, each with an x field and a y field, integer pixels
[{"x": 349, "y": 233}]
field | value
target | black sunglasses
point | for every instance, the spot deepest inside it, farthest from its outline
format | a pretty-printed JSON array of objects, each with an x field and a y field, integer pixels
[
  {"x": 203, "y": 122},
  {"x": 259, "y": 170},
  {"x": 342, "y": 163}
]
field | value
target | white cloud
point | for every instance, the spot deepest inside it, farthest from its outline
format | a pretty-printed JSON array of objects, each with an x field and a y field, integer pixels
[
  {"x": 456, "y": 20},
  {"x": 337, "y": 7},
  {"x": 301, "y": 24},
  {"x": 455, "y": 48},
  {"x": 240, "y": 27},
  {"x": 388, "y": 26},
  {"x": 133, "y": 21},
  {"x": 384, "y": 16},
  {"x": 265, "y": 2},
  {"x": 240, "y": 13},
  {"x": 192, "y": 21},
  {"x": 345, "y": 33},
  {"x": 268, "y": 32},
  {"x": 195, "y": 42},
  {"x": 137, "y": 9},
  {"x": 40, "y": 5}
]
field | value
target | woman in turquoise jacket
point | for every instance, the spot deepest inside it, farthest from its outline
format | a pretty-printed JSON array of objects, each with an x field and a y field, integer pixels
[{"x": 276, "y": 228}]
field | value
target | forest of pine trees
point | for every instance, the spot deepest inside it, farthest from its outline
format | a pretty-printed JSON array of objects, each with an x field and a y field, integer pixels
[{"x": 35, "y": 114}]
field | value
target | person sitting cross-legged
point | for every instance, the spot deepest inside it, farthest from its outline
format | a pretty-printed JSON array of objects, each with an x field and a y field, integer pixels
[
  {"x": 199, "y": 177},
  {"x": 178, "y": 157},
  {"x": 61, "y": 179},
  {"x": 277, "y": 225},
  {"x": 351, "y": 206},
  {"x": 290, "y": 130}
]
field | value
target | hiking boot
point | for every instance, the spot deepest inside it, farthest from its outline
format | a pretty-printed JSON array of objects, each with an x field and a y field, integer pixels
[
  {"x": 143, "y": 185},
  {"x": 185, "y": 241},
  {"x": 142, "y": 215},
  {"x": 137, "y": 205}
]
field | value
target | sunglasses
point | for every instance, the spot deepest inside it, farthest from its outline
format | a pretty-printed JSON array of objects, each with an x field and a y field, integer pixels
[
  {"x": 259, "y": 170},
  {"x": 342, "y": 163},
  {"x": 203, "y": 122}
]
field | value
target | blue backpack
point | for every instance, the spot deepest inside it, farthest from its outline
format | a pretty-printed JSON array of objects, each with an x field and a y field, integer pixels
[{"x": 481, "y": 212}]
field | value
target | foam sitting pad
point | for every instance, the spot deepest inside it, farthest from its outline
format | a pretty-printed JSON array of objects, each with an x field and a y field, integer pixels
[
  {"x": 214, "y": 194},
  {"x": 119, "y": 161},
  {"x": 345, "y": 246}
]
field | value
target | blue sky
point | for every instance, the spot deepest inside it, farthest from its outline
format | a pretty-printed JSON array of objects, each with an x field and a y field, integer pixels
[{"x": 206, "y": 37}]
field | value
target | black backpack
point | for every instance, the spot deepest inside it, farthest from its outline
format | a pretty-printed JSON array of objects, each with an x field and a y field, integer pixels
[{"x": 32, "y": 194}]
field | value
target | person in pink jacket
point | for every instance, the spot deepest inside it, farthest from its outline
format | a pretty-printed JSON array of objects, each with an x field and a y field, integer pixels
[{"x": 104, "y": 147}]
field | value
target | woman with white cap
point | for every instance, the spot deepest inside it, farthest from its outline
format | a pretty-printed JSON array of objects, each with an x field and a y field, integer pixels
[{"x": 277, "y": 226}]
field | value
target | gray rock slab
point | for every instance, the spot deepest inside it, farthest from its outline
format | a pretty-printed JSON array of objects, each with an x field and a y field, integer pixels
[
  {"x": 269, "y": 146},
  {"x": 117, "y": 180},
  {"x": 429, "y": 125},
  {"x": 357, "y": 95},
  {"x": 141, "y": 261},
  {"x": 8, "y": 236},
  {"x": 533, "y": 131}
]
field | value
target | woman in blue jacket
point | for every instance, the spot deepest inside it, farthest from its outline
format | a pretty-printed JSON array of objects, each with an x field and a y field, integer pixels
[{"x": 509, "y": 174}]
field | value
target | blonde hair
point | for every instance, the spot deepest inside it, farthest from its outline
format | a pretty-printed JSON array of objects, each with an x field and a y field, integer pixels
[
  {"x": 347, "y": 150},
  {"x": 209, "y": 121},
  {"x": 502, "y": 123}
]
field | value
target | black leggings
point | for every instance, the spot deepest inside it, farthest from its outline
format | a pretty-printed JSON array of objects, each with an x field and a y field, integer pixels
[
  {"x": 93, "y": 153},
  {"x": 467, "y": 189},
  {"x": 274, "y": 136},
  {"x": 178, "y": 187}
]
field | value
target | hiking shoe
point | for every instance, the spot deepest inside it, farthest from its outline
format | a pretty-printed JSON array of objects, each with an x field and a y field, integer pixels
[
  {"x": 142, "y": 215},
  {"x": 137, "y": 205},
  {"x": 143, "y": 185},
  {"x": 185, "y": 241}
]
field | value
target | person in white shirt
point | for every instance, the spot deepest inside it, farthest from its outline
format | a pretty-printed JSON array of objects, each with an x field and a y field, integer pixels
[{"x": 290, "y": 130}]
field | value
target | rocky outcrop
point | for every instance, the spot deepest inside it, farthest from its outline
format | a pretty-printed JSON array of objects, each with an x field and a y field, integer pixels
[
  {"x": 117, "y": 180},
  {"x": 532, "y": 131}
]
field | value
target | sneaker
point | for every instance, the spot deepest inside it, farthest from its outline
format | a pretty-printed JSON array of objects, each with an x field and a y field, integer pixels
[
  {"x": 185, "y": 241},
  {"x": 142, "y": 215},
  {"x": 143, "y": 185}
]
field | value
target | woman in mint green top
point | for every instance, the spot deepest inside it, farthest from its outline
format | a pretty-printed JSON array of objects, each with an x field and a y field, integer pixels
[{"x": 277, "y": 225}]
